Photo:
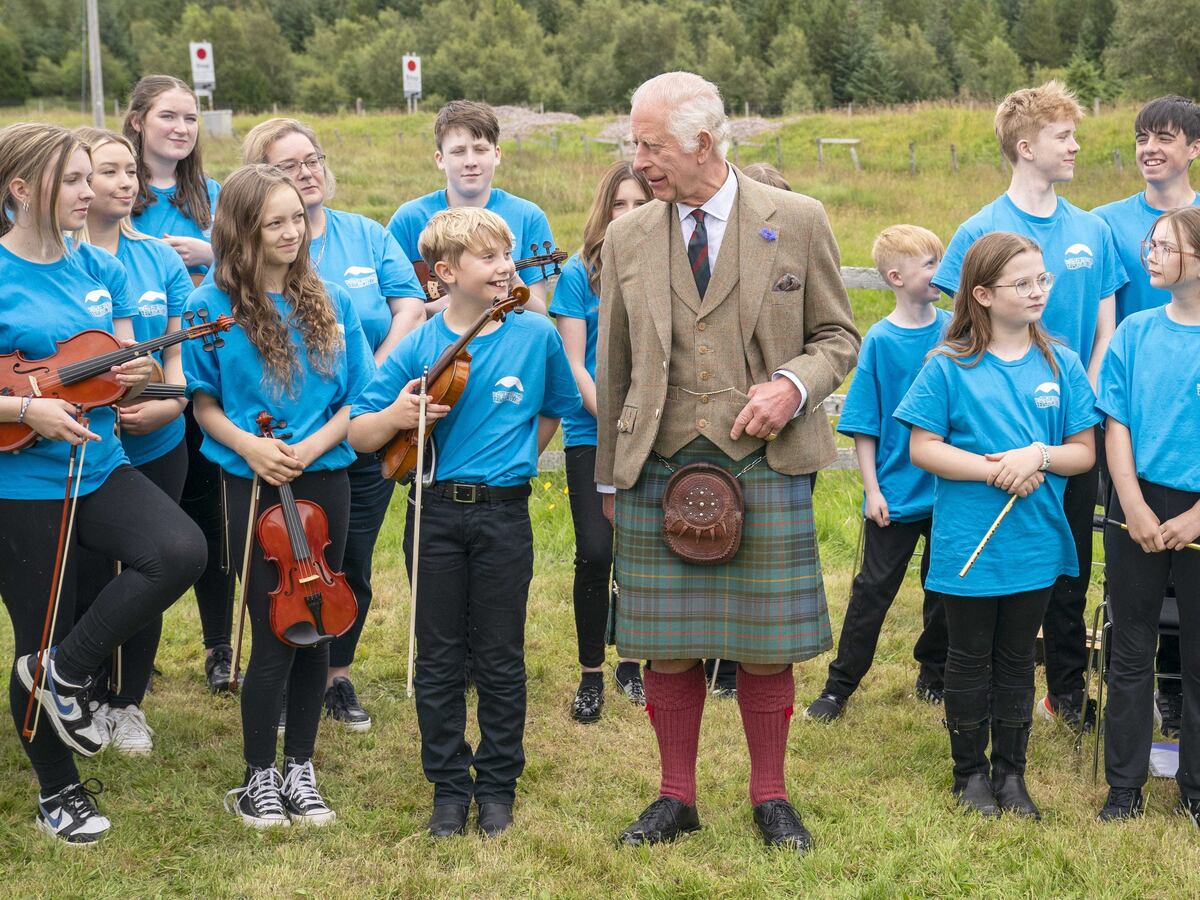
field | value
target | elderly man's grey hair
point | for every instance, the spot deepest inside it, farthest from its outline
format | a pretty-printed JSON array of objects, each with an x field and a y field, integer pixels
[{"x": 692, "y": 104}]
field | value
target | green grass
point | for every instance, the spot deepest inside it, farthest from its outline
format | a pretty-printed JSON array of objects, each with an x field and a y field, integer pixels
[{"x": 873, "y": 787}]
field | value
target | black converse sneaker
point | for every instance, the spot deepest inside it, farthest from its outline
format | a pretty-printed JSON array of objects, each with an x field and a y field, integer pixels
[
  {"x": 341, "y": 705},
  {"x": 66, "y": 706},
  {"x": 302, "y": 800},
  {"x": 71, "y": 814},
  {"x": 258, "y": 802},
  {"x": 628, "y": 676}
]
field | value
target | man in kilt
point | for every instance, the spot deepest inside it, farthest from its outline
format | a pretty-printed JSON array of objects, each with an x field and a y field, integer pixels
[{"x": 723, "y": 325}]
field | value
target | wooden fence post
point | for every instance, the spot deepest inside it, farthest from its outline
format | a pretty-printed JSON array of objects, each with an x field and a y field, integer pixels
[
  {"x": 736, "y": 161},
  {"x": 779, "y": 153},
  {"x": 953, "y": 157},
  {"x": 820, "y": 154},
  {"x": 912, "y": 158},
  {"x": 1117, "y": 160},
  {"x": 358, "y": 106},
  {"x": 587, "y": 150}
]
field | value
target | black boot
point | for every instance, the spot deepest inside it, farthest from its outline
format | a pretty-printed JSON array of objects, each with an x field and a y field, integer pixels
[
  {"x": 1009, "y": 743},
  {"x": 972, "y": 787}
]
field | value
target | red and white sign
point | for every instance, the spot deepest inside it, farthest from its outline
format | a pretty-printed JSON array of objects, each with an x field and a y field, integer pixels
[
  {"x": 412, "y": 75},
  {"x": 204, "y": 73}
]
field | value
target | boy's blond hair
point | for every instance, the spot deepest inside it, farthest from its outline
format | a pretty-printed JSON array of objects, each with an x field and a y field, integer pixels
[
  {"x": 1022, "y": 114},
  {"x": 900, "y": 241},
  {"x": 453, "y": 232}
]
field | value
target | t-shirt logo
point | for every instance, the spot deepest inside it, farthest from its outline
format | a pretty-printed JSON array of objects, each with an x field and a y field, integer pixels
[
  {"x": 1078, "y": 256},
  {"x": 359, "y": 276},
  {"x": 508, "y": 390},
  {"x": 1046, "y": 395},
  {"x": 152, "y": 304},
  {"x": 98, "y": 303}
]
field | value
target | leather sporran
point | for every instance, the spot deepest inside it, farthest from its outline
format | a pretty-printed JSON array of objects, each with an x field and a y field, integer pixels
[{"x": 703, "y": 513}]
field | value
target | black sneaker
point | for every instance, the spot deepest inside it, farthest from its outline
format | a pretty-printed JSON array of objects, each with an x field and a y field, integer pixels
[
  {"x": 341, "y": 705},
  {"x": 66, "y": 706},
  {"x": 1072, "y": 709},
  {"x": 301, "y": 799},
  {"x": 218, "y": 668},
  {"x": 1190, "y": 807},
  {"x": 71, "y": 814},
  {"x": 589, "y": 699},
  {"x": 1122, "y": 803},
  {"x": 928, "y": 692},
  {"x": 628, "y": 676},
  {"x": 1170, "y": 713},
  {"x": 826, "y": 708},
  {"x": 258, "y": 802}
]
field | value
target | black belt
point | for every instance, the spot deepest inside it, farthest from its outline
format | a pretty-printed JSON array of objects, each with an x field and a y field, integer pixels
[{"x": 478, "y": 493}]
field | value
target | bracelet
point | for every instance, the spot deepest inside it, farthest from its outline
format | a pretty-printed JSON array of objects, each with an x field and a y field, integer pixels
[
  {"x": 25, "y": 401},
  {"x": 1045, "y": 455}
]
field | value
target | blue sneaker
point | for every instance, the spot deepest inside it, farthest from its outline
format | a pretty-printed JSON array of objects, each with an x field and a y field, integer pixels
[
  {"x": 66, "y": 706},
  {"x": 71, "y": 814}
]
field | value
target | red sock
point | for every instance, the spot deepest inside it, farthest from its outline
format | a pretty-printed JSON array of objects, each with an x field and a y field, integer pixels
[
  {"x": 675, "y": 704},
  {"x": 766, "y": 703}
]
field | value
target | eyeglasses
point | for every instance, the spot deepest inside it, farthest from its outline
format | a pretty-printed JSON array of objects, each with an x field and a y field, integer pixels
[
  {"x": 1024, "y": 286},
  {"x": 315, "y": 164},
  {"x": 1165, "y": 251}
]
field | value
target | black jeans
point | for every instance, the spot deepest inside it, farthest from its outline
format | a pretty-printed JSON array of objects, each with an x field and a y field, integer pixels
[
  {"x": 201, "y": 500},
  {"x": 475, "y": 567},
  {"x": 1063, "y": 631},
  {"x": 128, "y": 519},
  {"x": 593, "y": 555},
  {"x": 273, "y": 664},
  {"x": 1136, "y": 583},
  {"x": 989, "y": 661},
  {"x": 370, "y": 494},
  {"x": 886, "y": 554}
]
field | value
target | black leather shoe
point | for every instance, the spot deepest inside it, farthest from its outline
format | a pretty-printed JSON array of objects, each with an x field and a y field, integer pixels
[
  {"x": 825, "y": 708},
  {"x": 781, "y": 826},
  {"x": 666, "y": 819},
  {"x": 1122, "y": 803},
  {"x": 1012, "y": 797},
  {"x": 589, "y": 700},
  {"x": 218, "y": 668},
  {"x": 448, "y": 820},
  {"x": 494, "y": 818},
  {"x": 977, "y": 795}
]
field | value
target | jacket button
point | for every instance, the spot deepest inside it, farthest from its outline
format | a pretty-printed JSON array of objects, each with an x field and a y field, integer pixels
[
  {"x": 703, "y": 423},
  {"x": 656, "y": 413},
  {"x": 700, "y": 326},
  {"x": 704, "y": 398},
  {"x": 704, "y": 376}
]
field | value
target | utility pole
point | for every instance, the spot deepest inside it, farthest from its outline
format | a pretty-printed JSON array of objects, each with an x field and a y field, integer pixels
[{"x": 93, "y": 20}]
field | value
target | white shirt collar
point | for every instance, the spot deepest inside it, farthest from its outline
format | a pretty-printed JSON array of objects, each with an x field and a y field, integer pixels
[{"x": 719, "y": 205}]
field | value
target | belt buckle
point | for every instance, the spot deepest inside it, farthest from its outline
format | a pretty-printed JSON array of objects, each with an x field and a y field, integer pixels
[{"x": 471, "y": 497}]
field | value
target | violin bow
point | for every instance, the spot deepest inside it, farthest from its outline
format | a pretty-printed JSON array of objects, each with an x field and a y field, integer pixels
[
  {"x": 65, "y": 527},
  {"x": 987, "y": 537},
  {"x": 241, "y": 611},
  {"x": 416, "y": 568}
]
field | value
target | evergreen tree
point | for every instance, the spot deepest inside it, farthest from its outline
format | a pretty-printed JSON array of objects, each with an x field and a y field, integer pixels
[
  {"x": 1154, "y": 47},
  {"x": 14, "y": 83},
  {"x": 1036, "y": 35},
  {"x": 875, "y": 80},
  {"x": 919, "y": 74}
]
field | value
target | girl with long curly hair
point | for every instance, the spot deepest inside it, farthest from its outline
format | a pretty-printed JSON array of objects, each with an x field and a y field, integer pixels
[{"x": 299, "y": 354}]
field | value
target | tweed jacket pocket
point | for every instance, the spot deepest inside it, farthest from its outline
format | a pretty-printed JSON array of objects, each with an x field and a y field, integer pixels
[
  {"x": 628, "y": 420},
  {"x": 788, "y": 282}
]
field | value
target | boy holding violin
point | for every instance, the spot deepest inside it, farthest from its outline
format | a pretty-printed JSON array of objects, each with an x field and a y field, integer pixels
[{"x": 476, "y": 546}]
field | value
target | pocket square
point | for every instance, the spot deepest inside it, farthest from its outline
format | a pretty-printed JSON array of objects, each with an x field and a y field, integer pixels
[{"x": 788, "y": 282}]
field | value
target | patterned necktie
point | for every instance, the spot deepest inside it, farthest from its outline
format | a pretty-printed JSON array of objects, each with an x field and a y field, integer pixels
[{"x": 698, "y": 253}]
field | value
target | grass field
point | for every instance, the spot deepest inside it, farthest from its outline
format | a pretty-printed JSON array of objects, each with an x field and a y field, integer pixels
[{"x": 874, "y": 787}]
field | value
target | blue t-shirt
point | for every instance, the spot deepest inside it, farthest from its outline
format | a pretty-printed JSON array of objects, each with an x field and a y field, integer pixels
[
  {"x": 518, "y": 372},
  {"x": 159, "y": 285},
  {"x": 40, "y": 304},
  {"x": 1150, "y": 383},
  {"x": 357, "y": 253},
  {"x": 1078, "y": 250},
  {"x": 575, "y": 299},
  {"x": 888, "y": 363},
  {"x": 163, "y": 217},
  {"x": 1131, "y": 220},
  {"x": 989, "y": 408},
  {"x": 526, "y": 220},
  {"x": 234, "y": 376}
]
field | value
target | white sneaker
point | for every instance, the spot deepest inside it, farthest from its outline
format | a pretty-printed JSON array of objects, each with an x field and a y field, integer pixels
[
  {"x": 71, "y": 815},
  {"x": 130, "y": 733},
  {"x": 258, "y": 802},
  {"x": 102, "y": 717},
  {"x": 301, "y": 799}
]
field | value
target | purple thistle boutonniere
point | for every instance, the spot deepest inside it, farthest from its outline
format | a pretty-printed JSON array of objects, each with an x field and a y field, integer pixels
[{"x": 769, "y": 234}]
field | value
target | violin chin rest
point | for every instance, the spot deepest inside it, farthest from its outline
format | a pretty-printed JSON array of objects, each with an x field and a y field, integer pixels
[{"x": 305, "y": 634}]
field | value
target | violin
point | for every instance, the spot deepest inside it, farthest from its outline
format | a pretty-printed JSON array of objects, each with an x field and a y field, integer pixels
[
  {"x": 80, "y": 370},
  {"x": 446, "y": 382},
  {"x": 312, "y": 604},
  {"x": 552, "y": 258},
  {"x": 158, "y": 388}
]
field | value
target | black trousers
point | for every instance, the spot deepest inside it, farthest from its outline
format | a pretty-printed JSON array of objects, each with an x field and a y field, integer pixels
[
  {"x": 593, "y": 555},
  {"x": 123, "y": 680},
  {"x": 128, "y": 519},
  {"x": 1064, "y": 634},
  {"x": 201, "y": 500},
  {"x": 274, "y": 665},
  {"x": 1136, "y": 583},
  {"x": 886, "y": 555},
  {"x": 475, "y": 567},
  {"x": 370, "y": 494}
]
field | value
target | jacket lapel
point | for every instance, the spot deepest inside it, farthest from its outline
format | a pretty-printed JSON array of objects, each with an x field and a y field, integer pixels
[
  {"x": 756, "y": 251},
  {"x": 656, "y": 247},
  {"x": 726, "y": 273}
]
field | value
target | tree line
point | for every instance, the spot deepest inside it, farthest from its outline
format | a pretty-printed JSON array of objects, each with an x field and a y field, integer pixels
[{"x": 586, "y": 56}]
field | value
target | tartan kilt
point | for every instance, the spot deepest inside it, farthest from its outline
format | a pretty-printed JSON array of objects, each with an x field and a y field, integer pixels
[{"x": 766, "y": 605}]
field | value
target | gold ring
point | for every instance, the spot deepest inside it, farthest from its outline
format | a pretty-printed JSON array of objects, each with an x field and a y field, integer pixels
[{"x": 771, "y": 436}]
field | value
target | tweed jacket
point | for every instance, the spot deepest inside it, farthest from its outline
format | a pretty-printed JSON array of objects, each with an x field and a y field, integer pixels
[{"x": 776, "y": 301}]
